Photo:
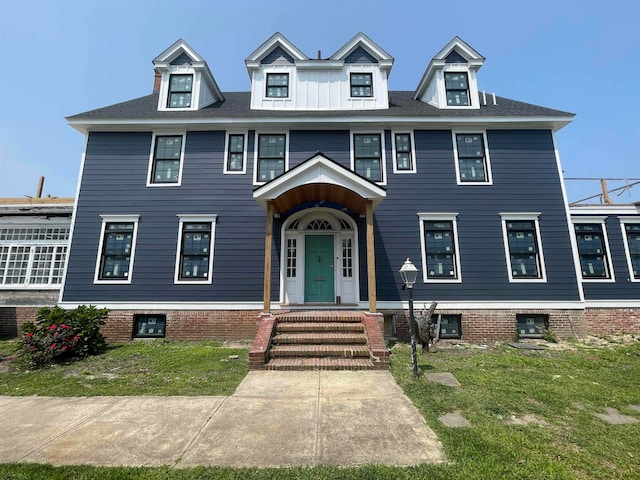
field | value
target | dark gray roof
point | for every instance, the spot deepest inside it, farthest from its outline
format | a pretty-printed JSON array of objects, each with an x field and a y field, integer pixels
[{"x": 236, "y": 105}]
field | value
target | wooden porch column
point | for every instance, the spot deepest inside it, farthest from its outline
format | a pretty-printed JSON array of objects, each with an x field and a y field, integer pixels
[
  {"x": 371, "y": 259},
  {"x": 267, "y": 259}
]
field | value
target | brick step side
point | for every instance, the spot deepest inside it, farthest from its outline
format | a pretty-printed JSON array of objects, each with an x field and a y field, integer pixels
[
  {"x": 324, "y": 363},
  {"x": 289, "y": 327},
  {"x": 320, "y": 338},
  {"x": 342, "y": 317},
  {"x": 345, "y": 351}
]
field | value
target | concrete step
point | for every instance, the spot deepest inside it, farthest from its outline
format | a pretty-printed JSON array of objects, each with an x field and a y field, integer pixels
[
  {"x": 344, "y": 351},
  {"x": 313, "y": 338},
  {"x": 292, "y": 327},
  {"x": 324, "y": 363}
]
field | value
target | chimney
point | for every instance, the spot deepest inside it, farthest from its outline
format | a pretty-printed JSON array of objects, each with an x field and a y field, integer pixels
[
  {"x": 319, "y": 55},
  {"x": 157, "y": 79}
]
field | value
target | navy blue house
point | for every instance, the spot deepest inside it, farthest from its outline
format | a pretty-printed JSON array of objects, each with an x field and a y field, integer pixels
[{"x": 201, "y": 211}]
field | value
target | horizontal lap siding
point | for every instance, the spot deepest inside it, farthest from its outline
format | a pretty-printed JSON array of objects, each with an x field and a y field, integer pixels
[
  {"x": 304, "y": 144},
  {"x": 623, "y": 288},
  {"x": 114, "y": 182},
  {"x": 525, "y": 179}
]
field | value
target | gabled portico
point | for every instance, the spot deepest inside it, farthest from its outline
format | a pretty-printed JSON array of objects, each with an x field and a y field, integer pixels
[{"x": 319, "y": 181}]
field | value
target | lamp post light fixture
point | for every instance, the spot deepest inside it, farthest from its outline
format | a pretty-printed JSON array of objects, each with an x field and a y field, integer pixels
[{"x": 409, "y": 273}]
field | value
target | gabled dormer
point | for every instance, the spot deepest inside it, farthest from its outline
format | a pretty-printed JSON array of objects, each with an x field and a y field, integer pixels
[
  {"x": 450, "y": 80},
  {"x": 353, "y": 78},
  {"x": 186, "y": 83}
]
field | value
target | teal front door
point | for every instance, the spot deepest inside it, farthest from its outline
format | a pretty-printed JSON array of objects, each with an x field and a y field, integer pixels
[{"x": 318, "y": 269}]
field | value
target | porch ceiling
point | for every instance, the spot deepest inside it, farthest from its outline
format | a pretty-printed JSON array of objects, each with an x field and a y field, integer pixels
[{"x": 319, "y": 192}]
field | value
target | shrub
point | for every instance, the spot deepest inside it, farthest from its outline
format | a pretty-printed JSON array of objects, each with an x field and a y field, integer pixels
[{"x": 58, "y": 334}]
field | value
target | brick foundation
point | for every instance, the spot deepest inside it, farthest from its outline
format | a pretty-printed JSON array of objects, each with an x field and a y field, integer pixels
[
  {"x": 11, "y": 318},
  {"x": 611, "y": 321}
]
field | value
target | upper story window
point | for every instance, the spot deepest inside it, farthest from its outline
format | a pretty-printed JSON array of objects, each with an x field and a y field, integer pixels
[
  {"x": 440, "y": 258},
  {"x": 32, "y": 256},
  {"x": 116, "y": 249},
  {"x": 403, "y": 153},
  {"x": 361, "y": 85},
  {"x": 472, "y": 158},
  {"x": 367, "y": 156},
  {"x": 195, "y": 249},
  {"x": 457, "y": 88},
  {"x": 180, "y": 91},
  {"x": 523, "y": 248},
  {"x": 592, "y": 249},
  {"x": 235, "y": 153},
  {"x": 166, "y": 160},
  {"x": 277, "y": 85},
  {"x": 271, "y": 156},
  {"x": 631, "y": 238}
]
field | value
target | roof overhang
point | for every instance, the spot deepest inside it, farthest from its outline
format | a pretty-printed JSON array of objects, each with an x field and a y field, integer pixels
[{"x": 319, "y": 179}]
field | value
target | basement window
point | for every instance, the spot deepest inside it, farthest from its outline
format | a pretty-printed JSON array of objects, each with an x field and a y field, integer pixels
[
  {"x": 532, "y": 326},
  {"x": 450, "y": 325},
  {"x": 149, "y": 326}
]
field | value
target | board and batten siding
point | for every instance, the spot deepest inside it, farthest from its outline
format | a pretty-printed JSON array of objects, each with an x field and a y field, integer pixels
[{"x": 114, "y": 183}]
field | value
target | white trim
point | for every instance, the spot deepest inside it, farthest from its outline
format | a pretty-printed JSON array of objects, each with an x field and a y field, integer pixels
[
  {"x": 485, "y": 305},
  {"x": 278, "y": 70},
  {"x": 612, "y": 303},
  {"x": 256, "y": 148},
  {"x": 73, "y": 215},
  {"x": 158, "y": 306},
  {"x": 530, "y": 217},
  {"x": 414, "y": 167},
  {"x": 226, "y": 153},
  {"x": 625, "y": 241},
  {"x": 450, "y": 217},
  {"x": 359, "y": 70},
  {"x": 472, "y": 85},
  {"x": 577, "y": 211},
  {"x": 116, "y": 219},
  {"x": 165, "y": 86},
  {"x": 195, "y": 218},
  {"x": 150, "y": 183},
  {"x": 383, "y": 153},
  {"x": 487, "y": 159},
  {"x": 599, "y": 220}
]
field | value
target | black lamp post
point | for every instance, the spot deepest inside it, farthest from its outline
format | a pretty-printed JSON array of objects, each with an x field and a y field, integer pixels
[{"x": 409, "y": 273}]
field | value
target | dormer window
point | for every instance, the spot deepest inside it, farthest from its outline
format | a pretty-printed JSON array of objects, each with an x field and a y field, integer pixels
[
  {"x": 361, "y": 85},
  {"x": 277, "y": 85},
  {"x": 180, "y": 89},
  {"x": 457, "y": 87}
]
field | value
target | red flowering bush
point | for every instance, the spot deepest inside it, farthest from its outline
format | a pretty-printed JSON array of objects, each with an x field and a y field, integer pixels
[{"x": 58, "y": 334}]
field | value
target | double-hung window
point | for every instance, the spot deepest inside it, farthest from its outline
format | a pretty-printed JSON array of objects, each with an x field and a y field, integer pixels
[
  {"x": 271, "y": 156},
  {"x": 456, "y": 85},
  {"x": 32, "y": 256},
  {"x": 367, "y": 156},
  {"x": 439, "y": 239},
  {"x": 194, "y": 259},
  {"x": 631, "y": 237},
  {"x": 116, "y": 249},
  {"x": 235, "y": 157},
  {"x": 523, "y": 247},
  {"x": 472, "y": 160},
  {"x": 403, "y": 153},
  {"x": 592, "y": 249},
  {"x": 361, "y": 85},
  {"x": 166, "y": 160},
  {"x": 277, "y": 85},
  {"x": 180, "y": 91}
]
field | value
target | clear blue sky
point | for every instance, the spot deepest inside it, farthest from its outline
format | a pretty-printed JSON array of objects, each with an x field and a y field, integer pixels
[{"x": 65, "y": 57}]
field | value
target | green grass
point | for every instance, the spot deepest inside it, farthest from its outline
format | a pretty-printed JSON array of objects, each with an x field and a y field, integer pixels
[
  {"x": 135, "y": 368},
  {"x": 562, "y": 388}
]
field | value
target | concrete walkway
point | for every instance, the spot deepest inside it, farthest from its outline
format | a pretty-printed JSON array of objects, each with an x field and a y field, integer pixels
[{"x": 273, "y": 419}]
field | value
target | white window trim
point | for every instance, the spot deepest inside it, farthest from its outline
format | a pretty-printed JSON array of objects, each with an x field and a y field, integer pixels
[
  {"x": 531, "y": 217},
  {"x": 151, "y": 158},
  {"x": 226, "y": 154},
  {"x": 623, "y": 222},
  {"x": 256, "y": 148},
  {"x": 431, "y": 217},
  {"x": 383, "y": 152},
  {"x": 474, "y": 99},
  {"x": 116, "y": 219},
  {"x": 487, "y": 159},
  {"x": 197, "y": 218},
  {"x": 600, "y": 220},
  {"x": 164, "y": 88},
  {"x": 289, "y": 70},
  {"x": 352, "y": 71},
  {"x": 413, "y": 168}
]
